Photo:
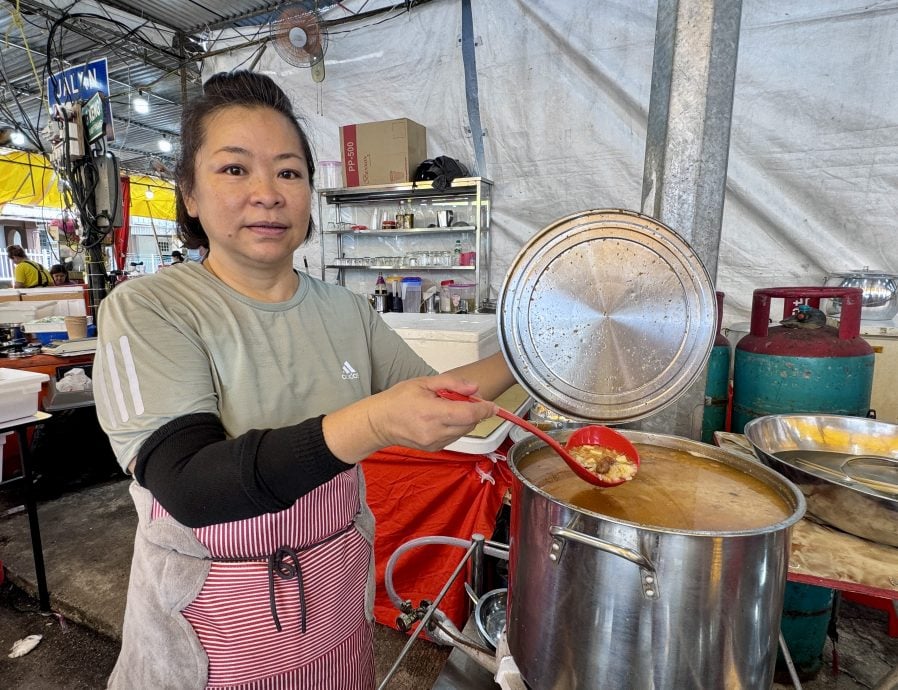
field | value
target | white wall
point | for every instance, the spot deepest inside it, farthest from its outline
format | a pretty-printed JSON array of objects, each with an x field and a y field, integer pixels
[{"x": 564, "y": 87}]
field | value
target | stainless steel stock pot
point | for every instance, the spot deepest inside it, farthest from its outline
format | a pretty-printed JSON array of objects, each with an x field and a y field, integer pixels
[{"x": 599, "y": 602}]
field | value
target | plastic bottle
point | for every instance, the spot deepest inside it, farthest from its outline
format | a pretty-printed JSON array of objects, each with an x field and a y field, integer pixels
[
  {"x": 396, "y": 285},
  {"x": 445, "y": 297},
  {"x": 456, "y": 253},
  {"x": 380, "y": 287}
]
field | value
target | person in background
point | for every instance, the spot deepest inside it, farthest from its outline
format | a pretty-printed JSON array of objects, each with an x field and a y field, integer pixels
[
  {"x": 253, "y": 560},
  {"x": 177, "y": 257},
  {"x": 27, "y": 273},
  {"x": 60, "y": 275}
]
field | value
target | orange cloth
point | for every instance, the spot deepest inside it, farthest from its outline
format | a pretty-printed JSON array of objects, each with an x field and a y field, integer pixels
[{"x": 417, "y": 494}]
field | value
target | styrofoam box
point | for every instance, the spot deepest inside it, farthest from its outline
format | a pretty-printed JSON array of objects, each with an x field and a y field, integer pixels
[
  {"x": 20, "y": 312},
  {"x": 68, "y": 301},
  {"x": 446, "y": 341},
  {"x": 19, "y": 391},
  {"x": 52, "y": 294}
]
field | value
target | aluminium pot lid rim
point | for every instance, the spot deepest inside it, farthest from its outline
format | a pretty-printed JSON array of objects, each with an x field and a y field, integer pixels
[{"x": 606, "y": 316}]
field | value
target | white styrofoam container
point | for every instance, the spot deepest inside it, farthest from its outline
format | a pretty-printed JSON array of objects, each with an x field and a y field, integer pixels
[
  {"x": 19, "y": 391},
  {"x": 20, "y": 312},
  {"x": 446, "y": 341}
]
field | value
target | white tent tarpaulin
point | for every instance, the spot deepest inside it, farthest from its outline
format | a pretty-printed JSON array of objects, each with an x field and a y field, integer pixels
[{"x": 564, "y": 90}]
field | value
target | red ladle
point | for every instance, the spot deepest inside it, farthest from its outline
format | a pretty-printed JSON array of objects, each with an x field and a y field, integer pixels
[{"x": 593, "y": 435}]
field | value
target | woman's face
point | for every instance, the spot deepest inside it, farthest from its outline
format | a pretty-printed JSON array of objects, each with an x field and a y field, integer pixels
[
  {"x": 251, "y": 191},
  {"x": 58, "y": 278}
]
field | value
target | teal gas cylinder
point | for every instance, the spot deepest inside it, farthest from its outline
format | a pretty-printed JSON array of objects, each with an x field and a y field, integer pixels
[
  {"x": 807, "y": 610},
  {"x": 717, "y": 383},
  {"x": 810, "y": 367},
  {"x": 803, "y": 366}
]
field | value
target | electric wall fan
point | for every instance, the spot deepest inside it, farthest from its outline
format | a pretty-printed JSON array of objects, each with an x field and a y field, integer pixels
[{"x": 300, "y": 39}]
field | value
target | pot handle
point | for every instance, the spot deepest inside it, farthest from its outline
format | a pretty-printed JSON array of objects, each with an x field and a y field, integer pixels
[{"x": 646, "y": 567}]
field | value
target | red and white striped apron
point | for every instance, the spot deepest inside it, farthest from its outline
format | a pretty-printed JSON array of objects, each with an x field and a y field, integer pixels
[{"x": 304, "y": 567}]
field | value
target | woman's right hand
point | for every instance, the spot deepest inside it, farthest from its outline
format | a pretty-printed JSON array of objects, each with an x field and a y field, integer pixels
[{"x": 409, "y": 414}]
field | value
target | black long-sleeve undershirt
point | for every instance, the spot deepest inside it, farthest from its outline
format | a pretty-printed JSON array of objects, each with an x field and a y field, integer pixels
[{"x": 203, "y": 478}]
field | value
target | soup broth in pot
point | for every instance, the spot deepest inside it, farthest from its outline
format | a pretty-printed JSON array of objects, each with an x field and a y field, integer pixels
[{"x": 673, "y": 489}]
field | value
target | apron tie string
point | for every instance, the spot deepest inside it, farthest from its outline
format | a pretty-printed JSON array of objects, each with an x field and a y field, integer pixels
[{"x": 285, "y": 564}]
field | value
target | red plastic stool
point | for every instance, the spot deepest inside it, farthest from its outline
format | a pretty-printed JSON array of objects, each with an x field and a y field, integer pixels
[{"x": 887, "y": 605}]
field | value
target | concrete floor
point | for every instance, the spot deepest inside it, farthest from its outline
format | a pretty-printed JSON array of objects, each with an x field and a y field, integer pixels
[{"x": 87, "y": 537}]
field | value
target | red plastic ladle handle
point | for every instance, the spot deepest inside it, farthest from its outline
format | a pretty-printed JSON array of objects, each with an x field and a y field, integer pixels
[{"x": 577, "y": 468}]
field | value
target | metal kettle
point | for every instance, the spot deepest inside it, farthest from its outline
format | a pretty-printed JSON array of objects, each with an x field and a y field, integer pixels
[{"x": 879, "y": 301}]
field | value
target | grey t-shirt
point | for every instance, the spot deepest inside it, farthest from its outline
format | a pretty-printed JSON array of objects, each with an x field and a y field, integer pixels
[{"x": 181, "y": 342}]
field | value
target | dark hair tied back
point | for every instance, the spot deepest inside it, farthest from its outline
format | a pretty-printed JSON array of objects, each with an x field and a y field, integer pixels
[{"x": 224, "y": 90}]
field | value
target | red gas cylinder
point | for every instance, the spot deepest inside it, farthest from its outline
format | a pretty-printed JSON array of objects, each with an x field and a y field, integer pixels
[{"x": 811, "y": 367}]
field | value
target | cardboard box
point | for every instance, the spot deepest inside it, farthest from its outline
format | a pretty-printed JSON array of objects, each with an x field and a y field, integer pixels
[
  {"x": 382, "y": 152},
  {"x": 9, "y": 295}
]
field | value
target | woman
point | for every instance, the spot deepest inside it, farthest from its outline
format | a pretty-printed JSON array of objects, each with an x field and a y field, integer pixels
[
  {"x": 253, "y": 561},
  {"x": 26, "y": 273},
  {"x": 60, "y": 275}
]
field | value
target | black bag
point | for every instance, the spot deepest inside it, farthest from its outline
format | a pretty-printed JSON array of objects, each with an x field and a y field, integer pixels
[{"x": 442, "y": 170}]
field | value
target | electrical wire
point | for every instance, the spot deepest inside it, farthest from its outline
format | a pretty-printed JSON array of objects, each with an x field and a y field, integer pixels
[
  {"x": 20, "y": 25},
  {"x": 406, "y": 5}
]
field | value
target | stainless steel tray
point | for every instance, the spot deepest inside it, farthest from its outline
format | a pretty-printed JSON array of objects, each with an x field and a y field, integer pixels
[
  {"x": 843, "y": 466},
  {"x": 606, "y": 315}
]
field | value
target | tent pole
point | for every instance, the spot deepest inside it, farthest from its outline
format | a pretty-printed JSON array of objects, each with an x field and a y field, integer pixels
[{"x": 687, "y": 145}]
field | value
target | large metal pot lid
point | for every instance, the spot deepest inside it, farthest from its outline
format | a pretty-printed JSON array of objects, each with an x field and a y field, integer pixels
[{"x": 606, "y": 315}]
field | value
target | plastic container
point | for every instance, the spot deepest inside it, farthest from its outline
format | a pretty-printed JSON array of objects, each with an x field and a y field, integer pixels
[
  {"x": 19, "y": 392},
  {"x": 47, "y": 329},
  {"x": 462, "y": 297},
  {"x": 46, "y": 337},
  {"x": 445, "y": 299},
  {"x": 329, "y": 174},
  {"x": 76, "y": 326},
  {"x": 411, "y": 295}
]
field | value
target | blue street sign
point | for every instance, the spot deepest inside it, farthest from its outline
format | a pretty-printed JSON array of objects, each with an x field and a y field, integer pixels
[{"x": 79, "y": 83}]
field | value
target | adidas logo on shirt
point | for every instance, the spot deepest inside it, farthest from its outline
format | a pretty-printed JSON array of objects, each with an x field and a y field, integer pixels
[{"x": 349, "y": 372}]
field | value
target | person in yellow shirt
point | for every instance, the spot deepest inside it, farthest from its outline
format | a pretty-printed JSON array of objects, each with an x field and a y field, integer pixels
[{"x": 27, "y": 273}]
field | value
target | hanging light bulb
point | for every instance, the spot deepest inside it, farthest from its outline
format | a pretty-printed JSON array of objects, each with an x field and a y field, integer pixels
[
  {"x": 17, "y": 138},
  {"x": 164, "y": 144},
  {"x": 140, "y": 104},
  {"x": 149, "y": 194}
]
